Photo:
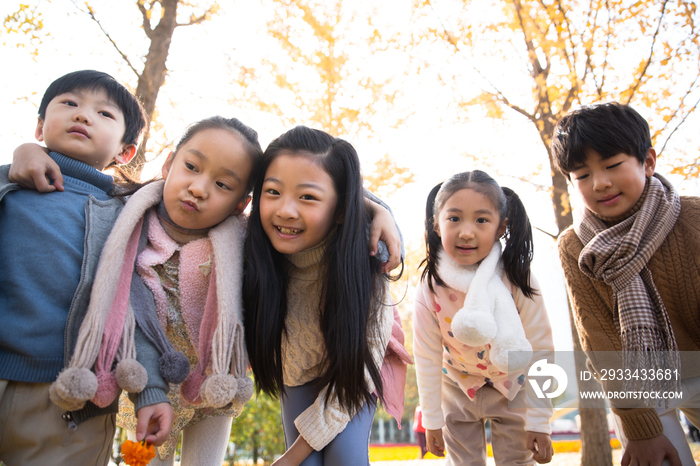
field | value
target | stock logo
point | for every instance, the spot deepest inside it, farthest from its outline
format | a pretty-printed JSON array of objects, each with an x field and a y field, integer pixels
[{"x": 544, "y": 369}]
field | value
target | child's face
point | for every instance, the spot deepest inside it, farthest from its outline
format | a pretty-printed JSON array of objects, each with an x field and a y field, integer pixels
[
  {"x": 85, "y": 125},
  {"x": 207, "y": 179},
  {"x": 611, "y": 187},
  {"x": 468, "y": 225},
  {"x": 297, "y": 203}
]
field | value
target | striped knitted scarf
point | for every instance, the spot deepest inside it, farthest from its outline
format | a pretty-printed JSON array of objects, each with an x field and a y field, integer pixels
[{"x": 618, "y": 255}]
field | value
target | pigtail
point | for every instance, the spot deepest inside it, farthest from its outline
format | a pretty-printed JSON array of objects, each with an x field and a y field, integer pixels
[
  {"x": 433, "y": 244},
  {"x": 518, "y": 251}
]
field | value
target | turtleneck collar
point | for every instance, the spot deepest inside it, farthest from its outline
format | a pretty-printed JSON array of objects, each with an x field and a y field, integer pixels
[
  {"x": 615, "y": 220},
  {"x": 310, "y": 257},
  {"x": 83, "y": 172}
]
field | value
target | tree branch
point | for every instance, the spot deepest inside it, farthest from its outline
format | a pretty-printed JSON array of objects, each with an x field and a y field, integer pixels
[
  {"x": 531, "y": 52},
  {"x": 651, "y": 53},
  {"x": 123, "y": 55},
  {"x": 204, "y": 16},
  {"x": 146, "y": 21},
  {"x": 680, "y": 104},
  {"x": 679, "y": 125},
  {"x": 497, "y": 94}
]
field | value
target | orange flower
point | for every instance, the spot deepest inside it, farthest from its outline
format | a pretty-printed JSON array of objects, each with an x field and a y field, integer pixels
[{"x": 137, "y": 453}]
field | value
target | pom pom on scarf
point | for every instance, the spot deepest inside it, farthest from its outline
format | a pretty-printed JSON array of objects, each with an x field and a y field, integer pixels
[
  {"x": 244, "y": 392},
  {"x": 73, "y": 387},
  {"x": 131, "y": 376},
  {"x": 174, "y": 367},
  {"x": 218, "y": 390}
]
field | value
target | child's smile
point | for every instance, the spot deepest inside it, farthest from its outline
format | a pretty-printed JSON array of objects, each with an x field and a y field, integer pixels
[
  {"x": 297, "y": 204},
  {"x": 468, "y": 225},
  {"x": 611, "y": 187}
]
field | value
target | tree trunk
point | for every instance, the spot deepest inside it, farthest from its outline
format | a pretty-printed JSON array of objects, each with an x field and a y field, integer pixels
[
  {"x": 154, "y": 72},
  {"x": 255, "y": 449},
  {"x": 595, "y": 437},
  {"x": 560, "y": 189}
]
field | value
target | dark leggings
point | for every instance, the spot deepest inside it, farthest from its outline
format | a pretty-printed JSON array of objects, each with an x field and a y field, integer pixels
[{"x": 348, "y": 448}]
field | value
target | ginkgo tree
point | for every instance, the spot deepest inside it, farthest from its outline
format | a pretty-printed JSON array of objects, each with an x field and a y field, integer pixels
[
  {"x": 327, "y": 70},
  {"x": 159, "y": 20},
  {"x": 556, "y": 54},
  {"x": 26, "y": 24}
]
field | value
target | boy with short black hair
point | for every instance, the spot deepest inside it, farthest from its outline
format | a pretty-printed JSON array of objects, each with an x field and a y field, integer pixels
[
  {"x": 631, "y": 266},
  {"x": 51, "y": 244}
]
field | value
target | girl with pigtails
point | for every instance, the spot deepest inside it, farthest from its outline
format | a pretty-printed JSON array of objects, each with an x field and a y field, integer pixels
[{"x": 478, "y": 317}]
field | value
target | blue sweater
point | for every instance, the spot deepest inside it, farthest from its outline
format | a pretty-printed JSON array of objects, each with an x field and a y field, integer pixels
[{"x": 42, "y": 240}]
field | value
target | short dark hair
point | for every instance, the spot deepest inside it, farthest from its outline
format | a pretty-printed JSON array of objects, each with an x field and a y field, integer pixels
[
  {"x": 134, "y": 116},
  {"x": 609, "y": 129}
]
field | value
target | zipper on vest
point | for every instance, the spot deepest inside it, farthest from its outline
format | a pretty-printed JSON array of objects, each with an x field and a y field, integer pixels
[{"x": 71, "y": 427}]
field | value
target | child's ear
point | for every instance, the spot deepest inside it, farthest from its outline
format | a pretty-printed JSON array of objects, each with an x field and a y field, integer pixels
[
  {"x": 502, "y": 229},
  {"x": 436, "y": 227},
  {"x": 241, "y": 206},
  {"x": 39, "y": 132},
  {"x": 167, "y": 165},
  {"x": 650, "y": 162},
  {"x": 125, "y": 156}
]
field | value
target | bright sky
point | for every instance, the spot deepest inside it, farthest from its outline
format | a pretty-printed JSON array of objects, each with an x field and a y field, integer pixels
[{"x": 198, "y": 86}]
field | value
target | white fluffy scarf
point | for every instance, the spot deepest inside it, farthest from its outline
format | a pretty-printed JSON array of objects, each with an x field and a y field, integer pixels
[{"x": 489, "y": 315}]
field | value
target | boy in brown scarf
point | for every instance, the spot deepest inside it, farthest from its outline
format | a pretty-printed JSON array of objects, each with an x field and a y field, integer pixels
[{"x": 631, "y": 262}]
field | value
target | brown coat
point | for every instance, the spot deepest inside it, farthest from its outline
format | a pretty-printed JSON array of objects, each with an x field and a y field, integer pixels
[{"x": 675, "y": 268}]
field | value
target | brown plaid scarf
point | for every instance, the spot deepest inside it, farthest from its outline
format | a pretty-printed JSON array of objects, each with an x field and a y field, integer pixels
[{"x": 618, "y": 255}]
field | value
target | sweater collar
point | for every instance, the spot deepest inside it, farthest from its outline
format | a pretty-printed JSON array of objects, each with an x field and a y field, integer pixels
[
  {"x": 81, "y": 171},
  {"x": 310, "y": 257}
]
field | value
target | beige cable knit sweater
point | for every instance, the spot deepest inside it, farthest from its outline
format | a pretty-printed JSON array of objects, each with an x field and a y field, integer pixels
[
  {"x": 675, "y": 268},
  {"x": 303, "y": 346}
]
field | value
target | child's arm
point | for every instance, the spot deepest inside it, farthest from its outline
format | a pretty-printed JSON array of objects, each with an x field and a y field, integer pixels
[
  {"x": 651, "y": 452},
  {"x": 297, "y": 453},
  {"x": 384, "y": 228},
  {"x": 541, "y": 446},
  {"x": 435, "y": 442},
  {"x": 154, "y": 423},
  {"x": 427, "y": 354},
  {"x": 32, "y": 168}
]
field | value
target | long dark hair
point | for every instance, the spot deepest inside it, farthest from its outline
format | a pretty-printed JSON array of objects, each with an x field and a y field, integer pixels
[
  {"x": 352, "y": 291},
  {"x": 517, "y": 254}
]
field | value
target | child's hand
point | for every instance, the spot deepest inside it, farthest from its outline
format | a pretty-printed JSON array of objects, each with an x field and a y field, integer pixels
[
  {"x": 650, "y": 452},
  {"x": 296, "y": 454},
  {"x": 540, "y": 445},
  {"x": 32, "y": 168},
  {"x": 154, "y": 422},
  {"x": 435, "y": 442},
  {"x": 383, "y": 228}
]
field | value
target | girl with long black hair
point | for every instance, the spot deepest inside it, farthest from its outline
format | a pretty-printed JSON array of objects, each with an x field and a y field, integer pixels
[{"x": 318, "y": 312}]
